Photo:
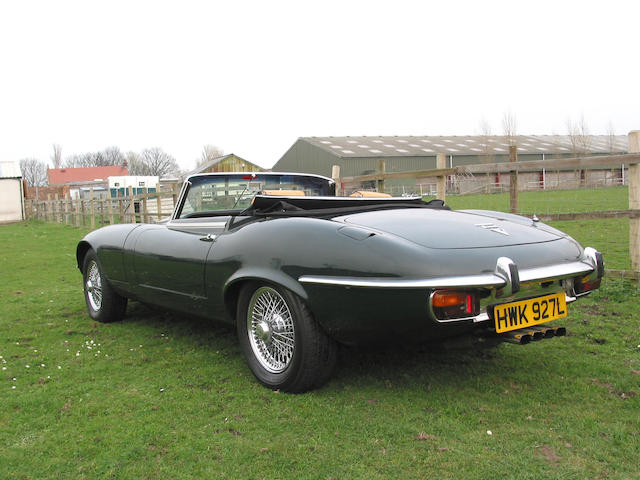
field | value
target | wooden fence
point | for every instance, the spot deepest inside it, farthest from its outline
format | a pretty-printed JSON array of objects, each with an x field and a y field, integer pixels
[
  {"x": 145, "y": 207},
  {"x": 513, "y": 167}
]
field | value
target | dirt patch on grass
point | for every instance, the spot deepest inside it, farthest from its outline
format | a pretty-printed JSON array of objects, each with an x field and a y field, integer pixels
[{"x": 549, "y": 455}]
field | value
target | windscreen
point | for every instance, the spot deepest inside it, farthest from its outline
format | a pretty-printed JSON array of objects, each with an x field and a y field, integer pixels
[{"x": 215, "y": 193}]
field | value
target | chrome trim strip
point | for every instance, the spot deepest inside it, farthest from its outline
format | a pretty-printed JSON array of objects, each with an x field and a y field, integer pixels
[
  {"x": 487, "y": 280},
  {"x": 482, "y": 280},
  {"x": 173, "y": 224},
  {"x": 178, "y": 206},
  {"x": 354, "y": 199},
  {"x": 220, "y": 174},
  {"x": 555, "y": 272}
]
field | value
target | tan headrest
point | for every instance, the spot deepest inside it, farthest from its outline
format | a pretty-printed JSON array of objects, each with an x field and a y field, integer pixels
[
  {"x": 363, "y": 193},
  {"x": 283, "y": 193}
]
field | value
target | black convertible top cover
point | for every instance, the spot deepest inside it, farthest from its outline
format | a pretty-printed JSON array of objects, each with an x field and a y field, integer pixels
[{"x": 270, "y": 206}]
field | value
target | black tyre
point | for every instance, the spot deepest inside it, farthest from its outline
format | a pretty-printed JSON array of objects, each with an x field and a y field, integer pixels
[
  {"x": 103, "y": 303},
  {"x": 284, "y": 346}
]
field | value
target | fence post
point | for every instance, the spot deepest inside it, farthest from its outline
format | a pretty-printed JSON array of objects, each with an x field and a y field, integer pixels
[
  {"x": 92, "y": 210},
  {"x": 634, "y": 202},
  {"x": 101, "y": 203},
  {"x": 158, "y": 203},
  {"x": 78, "y": 208},
  {"x": 145, "y": 211},
  {"x": 381, "y": 170},
  {"x": 335, "y": 176},
  {"x": 132, "y": 206},
  {"x": 54, "y": 212},
  {"x": 110, "y": 207},
  {"x": 68, "y": 209},
  {"x": 441, "y": 185},
  {"x": 120, "y": 207},
  {"x": 513, "y": 183},
  {"x": 48, "y": 208}
]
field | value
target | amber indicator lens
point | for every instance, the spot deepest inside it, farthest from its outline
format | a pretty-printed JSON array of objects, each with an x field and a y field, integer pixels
[{"x": 449, "y": 299}]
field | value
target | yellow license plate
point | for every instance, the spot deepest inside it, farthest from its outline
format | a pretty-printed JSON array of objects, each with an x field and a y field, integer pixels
[{"x": 525, "y": 313}]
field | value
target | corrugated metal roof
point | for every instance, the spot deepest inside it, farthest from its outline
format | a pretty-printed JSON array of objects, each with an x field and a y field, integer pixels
[
  {"x": 428, "y": 146},
  {"x": 10, "y": 169}
]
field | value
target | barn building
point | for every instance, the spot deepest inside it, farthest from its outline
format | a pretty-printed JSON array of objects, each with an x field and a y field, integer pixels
[
  {"x": 362, "y": 155},
  {"x": 226, "y": 163},
  {"x": 11, "y": 193}
]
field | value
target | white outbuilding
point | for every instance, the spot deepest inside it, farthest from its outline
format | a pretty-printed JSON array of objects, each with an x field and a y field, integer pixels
[{"x": 11, "y": 192}]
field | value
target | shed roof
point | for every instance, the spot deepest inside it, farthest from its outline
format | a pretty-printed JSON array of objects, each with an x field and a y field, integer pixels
[
  {"x": 10, "y": 169},
  {"x": 215, "y": 161},
  {"x": 421, "y": 146},
  {"x": 62, "y": 176}
]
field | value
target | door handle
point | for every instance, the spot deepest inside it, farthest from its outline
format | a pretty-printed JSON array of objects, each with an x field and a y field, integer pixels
[{"x": 208, "y": 238}]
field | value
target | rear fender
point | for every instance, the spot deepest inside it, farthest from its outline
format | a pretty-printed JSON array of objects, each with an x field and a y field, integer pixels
[{"x": 241, "y": 277}]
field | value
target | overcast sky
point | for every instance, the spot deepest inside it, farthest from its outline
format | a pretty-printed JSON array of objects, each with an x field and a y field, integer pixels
[{"x": 252, "y": 77}]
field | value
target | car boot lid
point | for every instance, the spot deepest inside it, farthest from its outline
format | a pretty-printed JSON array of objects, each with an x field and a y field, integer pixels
[{"x": 445, "y": 229}]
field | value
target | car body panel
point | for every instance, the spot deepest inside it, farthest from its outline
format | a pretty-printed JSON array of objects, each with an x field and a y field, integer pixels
[{"x": 366, "y": 268}]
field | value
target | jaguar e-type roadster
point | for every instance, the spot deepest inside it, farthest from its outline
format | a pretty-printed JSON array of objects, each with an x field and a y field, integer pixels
[{"x": 298, "y": 270}]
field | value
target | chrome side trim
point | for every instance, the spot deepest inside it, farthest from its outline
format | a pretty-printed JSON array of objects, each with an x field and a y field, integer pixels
[
  {"x": 174, "y": 224},
  {"x": 488, "y": 280}
]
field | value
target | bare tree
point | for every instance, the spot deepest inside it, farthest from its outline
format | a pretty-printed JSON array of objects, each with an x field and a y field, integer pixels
[
  {"x": 486, "y": 145},
  {"x": 509, "y": 127},
  {"x": 134, "y": 163},
  {"x": 113, "y": 156},
  {"x": 108, "y": 156},
  {"x": 157, "y": 162},
  {"x": 34, "y": 172},
  {"x": 579, "y": 136},
  {"x": 56, "y": 156},
  {"x": 611, "y": 137},
  {"x": 209, "y": 152}
]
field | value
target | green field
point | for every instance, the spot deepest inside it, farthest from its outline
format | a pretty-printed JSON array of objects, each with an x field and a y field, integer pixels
[
  {"x": 163, "y": 396},
  {"x": 548, "y": 201}
]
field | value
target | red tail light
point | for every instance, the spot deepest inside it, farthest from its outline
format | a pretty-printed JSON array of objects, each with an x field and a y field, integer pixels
[
  {"x": 584, "y": 285},
  {"x": 448, "y": 304}
]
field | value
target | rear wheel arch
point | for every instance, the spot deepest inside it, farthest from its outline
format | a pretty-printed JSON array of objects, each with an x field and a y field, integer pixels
[
  {"x": 234, "y": 286},
  {"x": 285, "y": 348}
]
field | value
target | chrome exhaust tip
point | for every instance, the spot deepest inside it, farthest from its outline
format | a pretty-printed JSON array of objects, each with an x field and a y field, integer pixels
[
  {"x": 532, "y": 334},
  {"x": 518, "y": 337},
  {"x": 552, "y": 331},
  {"x": 560, "y": 331},
  {"x": 547, "y": 332},
  {"x": 536, "y": 335}
]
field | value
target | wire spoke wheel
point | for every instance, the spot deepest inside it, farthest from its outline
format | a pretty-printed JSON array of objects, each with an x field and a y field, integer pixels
[
  {"x": 271, "y": 330},
  {"x": 93, "y": 286}
]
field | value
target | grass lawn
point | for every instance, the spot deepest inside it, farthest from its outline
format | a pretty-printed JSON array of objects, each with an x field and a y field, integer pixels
[
  {"x": 548, "y": 201},
  {"x": 162, "y": 396}
]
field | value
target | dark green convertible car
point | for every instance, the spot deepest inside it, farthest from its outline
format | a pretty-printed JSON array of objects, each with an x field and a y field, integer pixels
[{"x": 298, "y": 270}]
